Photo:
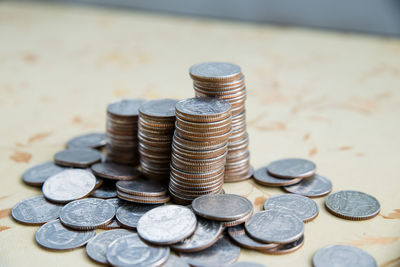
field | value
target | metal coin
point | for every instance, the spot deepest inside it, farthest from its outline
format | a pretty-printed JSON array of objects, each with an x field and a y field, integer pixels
[
  {"x": 167, "y": 225},
  {"x": 238, "y": 221},
  {"x": 54, "y": 235},
  {"x": 206, "y": 107},
  {"x": 88, "y": 213},
  {"x": 225, "y": 207},
  {"x": 77, "y": 157},
  {"x": 262, "y": 176},
  {"x": 38, "y": 174},
  {"x": 35, "y": 210},
  {"x": 117, "y": 203},
  {"x": 343, "y": 256},
  {"x": 274, "y": 226},
  {"x": 144, "y": 200},
  {"x": 352, "y": 205},
  {"x": 96, "y": 248},
  {"x": 238, "y": 234},
  {"x": 69, "y": 185},
  {"x": 292, "y": 168},
  {"x": 314, "y": 186},
  {"x": 125, "y": 107},
  {"x": 246, "y": 264},
  {"x": 220, "y": 71},
  {"x": 128, "y": 215},
  {"x": 206, "y": 234},
  {"x": 106, "y": 190},
  {"x": 91, "y": 140},
  {"x": 285, "y": 248},
  {"x": 303, "y": 207},
  {"x": 130, "y": 250},
  {"x": 174, "y": 261},
  {"x": 163, "y": 108},
  {"x": 115, "y": 171},
  {"x": 142, "y": 187}
]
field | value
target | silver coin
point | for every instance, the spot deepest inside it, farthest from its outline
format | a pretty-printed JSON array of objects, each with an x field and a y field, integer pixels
[
  {"x": 117, "y": 203},
  {"x": 167, "y": 225},
  {"x": 38, "y": 174},
  {"x": 314, "y": 186},
  {"x": 159, "y": 108},
  {"x": 77, "y": 157},
  {"x": 106, "y": 190},
  {"x": 69, "y": 185},
  {"x": 54, "y": 235},
  {"x": 109, "y": 170},
  {"x": 130, "y": 250},
  {"x": 88, "y": 213},
  {"x": 96, "y": 248},
  {"x": 128, "y": 215},
  {"x": 174, "y": 261},
  {"x": 246, "y": 264},
  {"x": 142, "y": 187},
  {"x": 343, "y": 256},
  {"x": 352, "y": 205},
  {"x": 227, "y": 207},
  {"x": 239, "y": 235},
  {"x": 285, "y": 248},
  {"x": 262, "y": 176},
  {"x": 205, "y": 235},
  {"x": 272, "y": 226},
  {"x": 125, "y": 107},
  {"x": 91, "y": 140},
  {"x": 301, "y": 206},
  {"x": 35, "y": 210},
  {"x": 203, "y": 106},
  {"x": 215, "y": 70},
  {"x": 222, "y": 253},
  {"x": 291, "y": 168}
]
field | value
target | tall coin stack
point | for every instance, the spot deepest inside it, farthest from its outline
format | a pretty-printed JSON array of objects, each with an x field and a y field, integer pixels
[
  {"x": 121, "y": 131},
  {"x": 199, "y": 148},
  {"x": 226, "y": 81},
  {"x": 156, "y": 128}
]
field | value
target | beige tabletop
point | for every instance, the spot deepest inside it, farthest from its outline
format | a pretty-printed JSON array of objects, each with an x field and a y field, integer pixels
[{"x": 330, "y": 97}]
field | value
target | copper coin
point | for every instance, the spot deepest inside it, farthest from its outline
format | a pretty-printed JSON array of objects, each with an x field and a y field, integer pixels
[
  {"x": 77, "y": 157},
  {"x": 262, "y": 176},
  {"x": 115, "y": 171},
  {"x": 142, "y": 187}
]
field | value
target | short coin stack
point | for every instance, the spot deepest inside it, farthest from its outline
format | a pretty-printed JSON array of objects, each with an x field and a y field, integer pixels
[
  {"x": 226, "y": 81},
  {"x": 143, "y": 191},
  {"x": 199, "y": 148}
]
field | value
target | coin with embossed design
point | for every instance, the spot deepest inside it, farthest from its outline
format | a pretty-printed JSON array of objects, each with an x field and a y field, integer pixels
[
  {"x": 117, "y": 203},
  {"x": 128, "y": 215},
  {"x": 91, "y": 140},
  {"x": 314, "y": 186},
  {"x": 285, "y": 248},
  {"x": 114, "y": 171},
  {"x": 38, "y": 174},
  {"x": 292, "y": 168},
  {"x": 142, "y": 187},
  {"x": 262, "y": 176},
  {"x": 215, "y": 71},
  {"x": 106, "y": 190},
  {"x": 239, "y": 235},
  {"x": 77, "y": 157},
  {"x": 343, "y": 256},
  {"x": 203, "y": 109}
]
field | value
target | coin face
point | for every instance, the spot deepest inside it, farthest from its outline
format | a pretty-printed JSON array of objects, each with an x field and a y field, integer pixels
[
  {"x": 314, "y": 186},
  {"x": 142, "y": 187},
  {"x": 69, "y": 185},
  {"x": 343, "y": 256},
  {"x": 203, "y": 106},
  {"x": 174, "y": 261},
  {"x": 128, "y": 215},
  {"x": 291, "y": 168},
  {"x": 115, "y": 171},
  {"x": 352, "y": 205},
  {"x": 88, "y": 213},
  {"x": 225, "y": 207},
  {"x": 54, "y": 235},
  {"x": 77, "y": 157},
  {"x": 116, "y": 202},
  {"x": 163, "y": 108},
  {"x": 130, "y": 250},
  {"x": 214, "y": 71},
  {"x": 125, "y": 107},
  {"x": 239, "y": 235},
  {"x": 106, "y": 190},
  {"x": 96, "y": 248},
  {"x": 301, "y": 206},
  {"x": 91, "y": 140},
  {"x": 167, "y": 225},
  {"x": 274, "y": 226},
  {"x": 286, "y": 248},
  {"x": 262, "y": 176},
  {"x": 35, "y": 210},
  {"x": 38, "y": 174}
]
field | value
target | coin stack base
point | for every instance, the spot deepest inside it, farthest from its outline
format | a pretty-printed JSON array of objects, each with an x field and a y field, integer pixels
[{"x": 143, "y": 191}]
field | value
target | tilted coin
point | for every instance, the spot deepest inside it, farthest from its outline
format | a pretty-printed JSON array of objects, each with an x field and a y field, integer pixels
[
  {"x": 91, "y": 140},
  {"x": 174, "y": 261},
  {"x": 142, "y": 187},
  {"x": 115, "y": 171},
  {"x": 96, "y": 248},
  {"x": 292, "y": 168},
  {"x": 35, "y": 210},
  {"x": 314, "y": 186},
  {"x": 246, "y": 264},
  {"x": 214, "y": 71},
  {"x": 238, "y": 221},
  {"x": 69, "y": 185},
  {"x": 117, "y": 203},
  {"x": 144, "y": 200},
  {"x": 239, "y": 235},
  {"x": 106, "y": 190},
  {"x": 88, "y": 213},
  {"x": 38, "y": 174},
  {"x": 163, "y": 108},
  {"x": 285, "y": 248},
  {"x": 54, "y": 235},
  {"x": 301, "y": 206},
  {"x": 262, "y": 176},
  {"x": 125, "y": 107},
  {"x": 77, "y": 157},
  {"x": 352, "y": 205},
  {"x": 274, "y": 226},
  {"x": 343, "y": 256},
  {"x": 225, "y": 207},
  {"x": 130, "y": 250},
  {"x": 206, "y": 234},
  {"x": 167, "y": 225},
  {"x": 128, "y": 215}
]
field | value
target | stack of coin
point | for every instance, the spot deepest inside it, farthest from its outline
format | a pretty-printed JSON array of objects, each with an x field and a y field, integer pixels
[
  {"x": 143, "y": 191},
  {"x": 121, "y": 131},
  {"x": 199, "y": 148},
  {"x": 156, "y": 128},
  {"x": 226, "y": 81}
]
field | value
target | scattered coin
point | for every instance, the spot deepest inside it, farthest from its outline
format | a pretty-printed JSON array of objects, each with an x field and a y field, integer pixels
[
  {"x": 291, "y": 168},
  {"x": 262, "y": 176},
  {"x": 114, "y": 171},
  {"x": 352, "y": 205},
  {"x": 69, "y": 185},
  {"x": 38, "y": 174},
  {"x": 142, "y": 187},
  {"x": 77, "y": 157},
  {"x": 106, "y": 190},
  {"x": 117, "y": 203},
  {"x": 303, "y": 207},
  {"x": 91, "y": 140},
  {"x": 246, "y": 264},
  {"x": 143, "y": 200},
  {"x": 238, "y": 221},
  {"x": 35, "y": 210},
  {"x": 174, "y": 261},
  {"x": 88, "y": 213},
  {"x": 128, "y": 215},
  {"x": 167, "y": 225},
  {"x": 54, "y": 235},
  {"x": 239, "y": 235},
  {"x": 343, "y": 256},
  {"x": 286, "y": 248},
  {"x": 314, "y": 186}
]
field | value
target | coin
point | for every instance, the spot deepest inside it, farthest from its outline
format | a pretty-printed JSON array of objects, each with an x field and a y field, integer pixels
[
  {"x": 343, "y": 256},
  {"x": 246, "y": 264},
  {"x": 274, "y": 226},
  {"x": 262, "y": 176},
  {"x": 352, "y": 205},
  {"x": 144, "y": 200},
  {"x": 125, "y": 107},
  {"x": 314, "y": 186},
  {"x": 203, "y": 109},
  {"x": 167, "y": 225},
  {"x": 222, "y": 253},
  {"x": 225, "y": 207},
  {"x": 96, "y": 248},
  {"x": 303, "y": 207},
  {"x": 142, "y": 187},
  {"x": 115, "y": 171},
  {"x": 174, "y": 261},
  {"x": 286, "y": 248},
  {"x": 91, "y": 140},
  {"x": 88, "y": 213},
  {"x": 35, "y": 210},
  {"x": 159, "y": 108},
  {"x": 77, "y": 157},
  {"x": 291, "y": 168},
  {"x": 128, "y": 215},
  {"x": 38, "y": 174},
  {"x": 238, "y": 221},
  {"x": 220, "y": 71},
  {"x": 205, "y": 235},
  {"x": 106, "y": 190},
  {"x": 69, "y": 185},
  {"x": 238, "y": 234},
  {"x": 130, "y": 250},
  {"x": 117, "y": 203},
  {"x": 54, "y": 235}
]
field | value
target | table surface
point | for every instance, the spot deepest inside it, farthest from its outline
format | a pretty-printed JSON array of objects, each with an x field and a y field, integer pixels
[{"x": 331, "y": 97}]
